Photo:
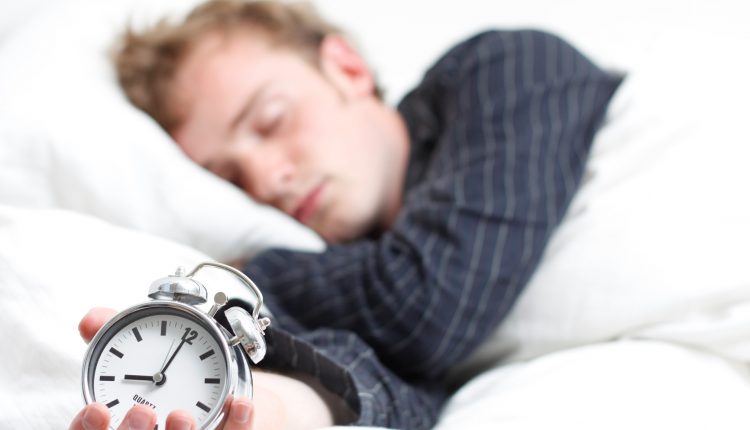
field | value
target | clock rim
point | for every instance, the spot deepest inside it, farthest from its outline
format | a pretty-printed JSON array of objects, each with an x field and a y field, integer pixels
[{"x": 221, "y": 335}]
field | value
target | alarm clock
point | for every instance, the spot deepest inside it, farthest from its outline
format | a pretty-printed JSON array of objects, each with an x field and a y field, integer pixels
[{"x": 167, "y": 353}]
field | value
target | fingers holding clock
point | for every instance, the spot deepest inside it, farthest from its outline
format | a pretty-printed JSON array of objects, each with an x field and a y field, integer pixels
[
  {"x": 93, "y": 321},
  {"x": 96, "y": 417},
  {"x": 180, "y": 420},
  {"x": 176, "y": 420},
  {"x": 139, "y": 417},
  {"x": 240, "y": 415},
  {"x": 92, "y": 417}
]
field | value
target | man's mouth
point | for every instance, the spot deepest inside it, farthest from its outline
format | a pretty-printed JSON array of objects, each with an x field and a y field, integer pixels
[{"x": 309, "y": 205}]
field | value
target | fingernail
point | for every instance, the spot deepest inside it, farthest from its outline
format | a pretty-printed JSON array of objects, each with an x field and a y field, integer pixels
[
  {"x": 138, "y": 419},
  {"x": 180, "y": 423},
  {"x": 92, "y": 419},
  {"x": 241, "y": 411}
]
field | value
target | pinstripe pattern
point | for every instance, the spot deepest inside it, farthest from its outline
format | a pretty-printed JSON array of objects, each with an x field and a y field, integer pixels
[{"x": 500, "y": 129}]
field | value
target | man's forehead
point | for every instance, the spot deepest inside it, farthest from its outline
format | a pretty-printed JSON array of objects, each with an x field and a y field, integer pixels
[
  {"x": 223, "y": 65},
  {"x": 217, "y": 75},
  {"x": 215, "y": 84}
]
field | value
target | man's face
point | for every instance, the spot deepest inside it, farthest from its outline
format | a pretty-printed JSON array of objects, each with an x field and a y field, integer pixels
[{"x": 310, "y": 142}]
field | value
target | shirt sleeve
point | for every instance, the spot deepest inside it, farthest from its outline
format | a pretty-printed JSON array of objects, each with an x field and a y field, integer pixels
[{"x": 509, "y": 119}]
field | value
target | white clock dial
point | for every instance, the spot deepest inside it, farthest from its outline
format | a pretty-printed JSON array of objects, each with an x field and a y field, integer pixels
[{"x": 163, "y": 361}]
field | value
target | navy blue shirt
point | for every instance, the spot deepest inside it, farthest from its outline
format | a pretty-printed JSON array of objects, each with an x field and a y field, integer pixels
[{"x": 500, "y": 129}]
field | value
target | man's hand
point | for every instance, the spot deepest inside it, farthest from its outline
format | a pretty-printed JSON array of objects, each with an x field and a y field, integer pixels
[{"x": 96, "y": 416}]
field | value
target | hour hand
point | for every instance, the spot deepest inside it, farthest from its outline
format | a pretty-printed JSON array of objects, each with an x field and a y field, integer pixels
[{"x": 149, "y": 378}]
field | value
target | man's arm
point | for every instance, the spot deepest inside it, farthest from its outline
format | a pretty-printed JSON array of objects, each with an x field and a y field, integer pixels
[{"x": 510, "y": 119}]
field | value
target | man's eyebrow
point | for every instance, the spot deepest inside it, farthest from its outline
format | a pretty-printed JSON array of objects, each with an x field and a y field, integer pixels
[{"x": 247, "y": 108}]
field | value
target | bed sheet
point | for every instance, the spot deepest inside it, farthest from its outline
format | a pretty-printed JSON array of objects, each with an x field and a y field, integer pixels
[
  {"x": 624, "y": 384},
  {"x": 54, "y": 265}
]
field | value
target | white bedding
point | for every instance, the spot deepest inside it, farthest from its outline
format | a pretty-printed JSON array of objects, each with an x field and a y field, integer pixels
[
  {"x": 638, "y": 317},
  {"x": 54, "y": 265}
]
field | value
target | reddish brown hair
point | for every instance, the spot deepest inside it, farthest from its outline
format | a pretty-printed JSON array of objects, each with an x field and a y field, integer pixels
[{"x": 147, "y": 61}]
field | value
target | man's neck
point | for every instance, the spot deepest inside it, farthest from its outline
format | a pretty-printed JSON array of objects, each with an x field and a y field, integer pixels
[{"x": 395, "y": 188}]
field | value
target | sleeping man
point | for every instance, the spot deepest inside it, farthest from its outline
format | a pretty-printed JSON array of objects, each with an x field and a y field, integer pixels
[{"x": 436, "y": 212}]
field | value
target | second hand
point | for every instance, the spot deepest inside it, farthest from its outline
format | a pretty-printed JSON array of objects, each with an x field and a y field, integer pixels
[{"x": 159, "y": 376}]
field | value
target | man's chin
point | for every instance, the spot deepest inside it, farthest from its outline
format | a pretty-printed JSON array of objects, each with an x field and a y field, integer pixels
[
  {"x": 337, "y": 233},
  {"x": 332, "y": 238}
]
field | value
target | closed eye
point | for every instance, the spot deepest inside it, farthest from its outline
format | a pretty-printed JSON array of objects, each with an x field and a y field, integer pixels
[{"x": 271, "y": 117}]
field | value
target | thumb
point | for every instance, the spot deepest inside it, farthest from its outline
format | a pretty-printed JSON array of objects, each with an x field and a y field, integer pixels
[
  {"x": 240, "y": 415},
  {"x": 92, "y": 417},
  {"x": 139, "y": 417}
]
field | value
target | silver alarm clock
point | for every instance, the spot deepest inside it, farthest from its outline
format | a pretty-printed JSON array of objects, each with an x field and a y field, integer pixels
[{"x": 168, "y": 354}]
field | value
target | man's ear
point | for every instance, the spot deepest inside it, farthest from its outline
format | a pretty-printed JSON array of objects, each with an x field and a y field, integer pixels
[{"x": 345, "y": 68}]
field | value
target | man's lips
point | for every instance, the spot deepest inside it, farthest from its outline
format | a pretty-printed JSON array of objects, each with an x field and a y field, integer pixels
[{"x": 308, "y": 206}]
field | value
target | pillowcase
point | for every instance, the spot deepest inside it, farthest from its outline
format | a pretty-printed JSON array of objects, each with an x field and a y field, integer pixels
[{"x": 70, "y": 139}]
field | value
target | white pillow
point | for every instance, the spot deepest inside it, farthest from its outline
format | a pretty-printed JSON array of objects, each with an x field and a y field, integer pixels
[
  {"x": 654, "y": 245},
  {"x": 54, "y": 266},
  {"x": 70, "y": 139},
  {"x": 621, "y": 385}
]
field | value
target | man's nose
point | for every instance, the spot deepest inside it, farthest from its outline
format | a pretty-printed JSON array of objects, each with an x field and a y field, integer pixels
[{"x": 266, "y": 175}]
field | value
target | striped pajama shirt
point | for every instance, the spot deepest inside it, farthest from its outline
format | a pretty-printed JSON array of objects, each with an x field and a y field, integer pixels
[{"x": 500, "y": 129}]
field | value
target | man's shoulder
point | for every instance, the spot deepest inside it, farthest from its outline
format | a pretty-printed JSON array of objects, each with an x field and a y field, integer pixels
[
  {"x": 486, "y": 48},
  {"x": 494, "y": 47}
]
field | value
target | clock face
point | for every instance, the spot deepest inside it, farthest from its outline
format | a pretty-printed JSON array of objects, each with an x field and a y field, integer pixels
[{"x": 160, "y": 358}]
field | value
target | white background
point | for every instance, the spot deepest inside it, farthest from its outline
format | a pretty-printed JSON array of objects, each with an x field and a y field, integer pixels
[{"x": 402, "y": 38}]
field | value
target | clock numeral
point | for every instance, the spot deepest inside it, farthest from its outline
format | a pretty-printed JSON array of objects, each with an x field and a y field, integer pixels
[
  {"x": 113, "y": 403},
  {"x": 137, "y": 334},
  {"x": 205, "y": 355},
  {"x": 163, "y": 328},
  {"x": 116, "y": 352},
  {"x": 189, "y": 336},
  {"x": 212, "y": 381},
  {"x": 202, "y": 406},
  {"x": 106, "y": 378}
]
